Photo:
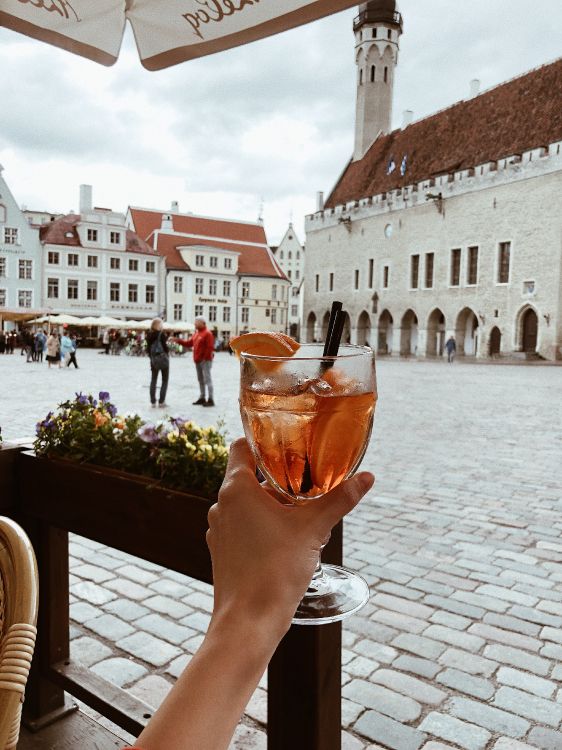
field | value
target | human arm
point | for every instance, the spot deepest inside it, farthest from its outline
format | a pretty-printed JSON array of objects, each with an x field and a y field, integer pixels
[
  {"x": 187, "y": 343},
  {"x": 264, "y": 554}
]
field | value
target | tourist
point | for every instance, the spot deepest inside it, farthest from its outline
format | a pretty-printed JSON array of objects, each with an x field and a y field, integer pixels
[
  {"x": 203, "y": 344},
  {"x": 40, "y": 342},
  {"x": 106, "y": 340},
  {"x": 66, "y": 347},
  {"x": 53, "y": 349},
  {"x": 451, "y": 347},
  {"x": 72, "y": 355},
  {"x": 259, "y": 580},
  {"x": 157, "y": 346},
  {"x": 2, "y": 342}
]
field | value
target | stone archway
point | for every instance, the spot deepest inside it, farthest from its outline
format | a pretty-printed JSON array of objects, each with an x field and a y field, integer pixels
[
  {"x": 529, "y": 325},
  {"x": 384, "y": 343},
  {"x": 346, "y": 335},
  {"x": 310, "y": 327},
  {"x": 466, "y": 332},
  {"x": 494, "y": 345},
  {"x": 409, "y": 334},
  {"x": 325, "y": 322},
  {"x": 435, "y": 334},
  {"x": 364, "y": 329}
]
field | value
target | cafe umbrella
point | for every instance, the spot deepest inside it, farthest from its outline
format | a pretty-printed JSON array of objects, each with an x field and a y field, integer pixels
[{"x": 166, "y": 32}]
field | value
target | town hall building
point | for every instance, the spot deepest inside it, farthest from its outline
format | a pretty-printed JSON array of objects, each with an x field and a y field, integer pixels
[{"x": 449, "y": 225}]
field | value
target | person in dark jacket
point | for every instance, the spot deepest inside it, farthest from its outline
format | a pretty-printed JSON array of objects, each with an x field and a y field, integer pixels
[
  {"x": 157, "y": 347},
  {"x": 451, "y": 347}
]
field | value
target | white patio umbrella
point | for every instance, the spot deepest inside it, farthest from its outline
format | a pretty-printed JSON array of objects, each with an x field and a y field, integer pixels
[{"x": 167, "y": 32}]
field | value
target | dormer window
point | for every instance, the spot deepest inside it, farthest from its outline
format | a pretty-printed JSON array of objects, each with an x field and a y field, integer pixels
[{"x": 92, "y": 235}]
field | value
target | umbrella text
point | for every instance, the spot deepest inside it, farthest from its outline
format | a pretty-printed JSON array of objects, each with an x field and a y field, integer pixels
[{"x": 211, "y": 10}]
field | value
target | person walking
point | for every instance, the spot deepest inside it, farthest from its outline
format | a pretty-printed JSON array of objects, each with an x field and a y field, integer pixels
[
  {"x": 106, "y": 340},
  {"x": 157, "y": 347},
  {"x": 66, "y": 347},
  {"x": 203, "y": 344},
  {"x": 53, "y": 349},
  {"x": 40, "y": 343},
  {"x": 451, "y": 347},
  {"x": 72, "y": 355}
]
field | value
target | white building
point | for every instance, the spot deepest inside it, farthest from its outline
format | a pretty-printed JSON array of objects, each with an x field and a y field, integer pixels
[
  {"x": 290, "y": 255},
  {"x": 451, "y": 224},
  {"x": 218, "y": 268},
  {"x": 93, "y": 264}
]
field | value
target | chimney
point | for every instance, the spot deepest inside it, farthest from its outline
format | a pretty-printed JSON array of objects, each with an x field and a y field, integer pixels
[
  {"x": 175, "y": 207},
  {"x": 407, "y": 117},
  {"x": 320, "y": 200},
  {"x": 474, "y": 87},
  {"x": 166, "y": 225},
  {"x": 85, "y": 199}
]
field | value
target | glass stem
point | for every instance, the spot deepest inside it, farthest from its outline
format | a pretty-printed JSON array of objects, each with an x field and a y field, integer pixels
[{"x": 318, "y": 574}]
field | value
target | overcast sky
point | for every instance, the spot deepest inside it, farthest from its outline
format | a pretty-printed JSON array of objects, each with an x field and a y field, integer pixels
[{"x": 272, "y": 121}]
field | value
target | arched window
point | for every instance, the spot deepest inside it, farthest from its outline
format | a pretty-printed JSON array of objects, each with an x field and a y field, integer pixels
[
  {"x": 360, "y": 76},
  {"x": 386, "y": 75},
  {"x": 373, "y": 69}
]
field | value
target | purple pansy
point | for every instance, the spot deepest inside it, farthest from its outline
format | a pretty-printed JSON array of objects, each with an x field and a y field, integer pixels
[
  {"x": 81, "y": 398},
  {"x": 103, "y": 396},
  {"x": 148, "y": 434}
]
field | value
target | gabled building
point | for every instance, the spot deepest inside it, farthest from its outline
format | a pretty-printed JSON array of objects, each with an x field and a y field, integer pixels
[
  {"x": 218, "y": 268},
  {"x": 450, "y": 225},
  {"x": 20, "y": 260},
  {"x": 290, "y": 255},
  {"x": 93, "y": 264}
]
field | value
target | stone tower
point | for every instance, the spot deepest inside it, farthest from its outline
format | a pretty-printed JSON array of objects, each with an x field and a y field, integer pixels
[{"x": 377, "y": 31}]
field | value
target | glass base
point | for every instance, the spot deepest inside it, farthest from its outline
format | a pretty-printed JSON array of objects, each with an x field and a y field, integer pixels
[{"x": 332, "y": 596}]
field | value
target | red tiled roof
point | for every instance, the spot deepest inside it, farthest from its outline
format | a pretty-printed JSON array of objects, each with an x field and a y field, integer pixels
[
  {"x": 55, "y": 233},
  {"x": 252, "y": 261},
  {"x": 147, "y": 221},
  {"x": 516, "y": 116}
]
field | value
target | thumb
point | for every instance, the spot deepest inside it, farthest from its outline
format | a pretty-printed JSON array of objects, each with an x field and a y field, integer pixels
[{"x": 342, "y": 499}]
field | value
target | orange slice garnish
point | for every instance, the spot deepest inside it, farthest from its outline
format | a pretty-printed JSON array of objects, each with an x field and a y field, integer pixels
[{"x": 264, "y": 344}]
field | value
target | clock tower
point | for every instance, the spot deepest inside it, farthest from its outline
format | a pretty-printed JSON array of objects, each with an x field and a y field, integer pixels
[{"x": 377, "y": 30}]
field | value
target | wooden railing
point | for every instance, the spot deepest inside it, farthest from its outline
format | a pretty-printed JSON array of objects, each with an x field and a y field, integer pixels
[{"x": 51, "y": 499}]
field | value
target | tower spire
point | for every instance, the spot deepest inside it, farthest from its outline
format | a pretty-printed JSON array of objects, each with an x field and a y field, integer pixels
[{"x": 377, "y": 31}]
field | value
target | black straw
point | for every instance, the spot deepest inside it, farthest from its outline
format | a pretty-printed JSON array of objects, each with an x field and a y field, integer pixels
[{"x": 335, "y": 313}]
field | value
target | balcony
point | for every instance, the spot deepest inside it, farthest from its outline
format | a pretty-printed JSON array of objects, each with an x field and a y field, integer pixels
[{"x": 393, "y": 18}]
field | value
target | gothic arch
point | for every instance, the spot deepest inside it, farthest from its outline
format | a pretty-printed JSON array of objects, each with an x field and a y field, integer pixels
[
  {"x": 346, "y": 335},
  {"x": 436, "y": 327},
  {"x": 466, "y": 332},
  {"x": 494, "y": 343},
  {"x": 385, "y": 334},
  {"x": 364, "y": 329},
  {"x": 310, "y": 327},
  {"x": 373, "y": 54},
  {"x": 527, "y": 329},
  {"x": 359, "y": 57},
  {"x": 409, "y": 334},
  {"x": 325, "y": 321}
]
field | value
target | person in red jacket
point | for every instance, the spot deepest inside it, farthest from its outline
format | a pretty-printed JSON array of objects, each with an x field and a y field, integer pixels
[{"x": 203, "y": 343}]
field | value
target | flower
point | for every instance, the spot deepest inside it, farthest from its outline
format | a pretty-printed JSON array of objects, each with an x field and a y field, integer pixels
[
  {"x": 100, "y": 419},
  {"x": 103, "y": 396},
  {"x": 81, "y": 398},
  {"x": 148, "y": 433},
  {"x": 112, "y": 410}
]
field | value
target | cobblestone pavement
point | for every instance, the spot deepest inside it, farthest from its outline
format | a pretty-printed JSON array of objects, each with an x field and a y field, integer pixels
[{"x": 460, "y": 541}]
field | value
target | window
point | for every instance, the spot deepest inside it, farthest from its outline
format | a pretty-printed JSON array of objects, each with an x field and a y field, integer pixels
[
  {"x": 226, "y": 288},
  {"x": 294, "y": 310},
  {"x": 53, "y": 258},
  {"x": 373, "y": 71},
  {"x": 371, "y": 270},
  {"x": 274, "y": 315},
  {"x": 2, "y": 298},
  {"x": 245, "y": 315},
  {"x": 2, "y": 268},
  {"x": 374, "y": 33},
  {"x": 356, "y": 279},
  {"x": 455, "y": 279},
  {"x": 115, "y": 238},
  {"x": 92, "y": 290},
  {"x": 213, "y": 287},
  {"x": 151, "y": 266},
  {"x": 289, "y": 274},
  {"x": 268, "y": 312},
  {"x": 93, "y": 261},
  {"x": 133, "y": 265},
  {"x": 178, "y": 312},
  {"x": 198, "y": 286},
  {"x": 24, "y": 298},
  {"x": 72, "y": 288},
  {"x": 298, "y": 254},
  {"x": 228, "y": 262},
  {"x": 72, "y": 259},
  {"x": 245, "y": 288},
  {"x": 53, "y": 288},
  {"x": 150, "y": 294},
  {"x": 429, "y": 263},
  {"x": 114, "y": 292},
  {"x": 385, "y": 276},
  {"x": 92, "y": 235},
  {"x": 212, "y": 313},
  {"x": 198, "y": 310},
  {"x": 115, "y": 264},
  {"x": 414, "y": 271},
  {"x": 297, "y": 274},
  {"x": 316, "y": 282},
  {"x": 360, "y": 76},
  {"x": 503, "y": 262},
  {"x": 178, "y": 284},
  {"x": 472, "y": 266},
  {"x": 25, "y": 269},
  {"x": 226, "y": 314},
  {"x": 133, "y": 292},
  {"x": 213, "y": 261},
  {"x": 389, "y": 34},
  {"x": 528, "y": 287},
  {"x": 386, "y": 75},
  {"x": 281, "y": 255},
  {"x": 199, "y": 260},
  {"x": 10, "y": 236}
]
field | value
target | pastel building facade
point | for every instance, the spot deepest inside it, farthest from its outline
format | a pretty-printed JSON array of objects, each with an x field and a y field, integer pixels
[{"x": 290, "y": 255}]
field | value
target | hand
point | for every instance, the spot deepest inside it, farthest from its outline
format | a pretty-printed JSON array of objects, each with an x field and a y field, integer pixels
[{"x": 264, "y": 553}]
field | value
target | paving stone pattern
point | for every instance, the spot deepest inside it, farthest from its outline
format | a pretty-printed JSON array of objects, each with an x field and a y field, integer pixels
[{"x": 460, "y": 541}]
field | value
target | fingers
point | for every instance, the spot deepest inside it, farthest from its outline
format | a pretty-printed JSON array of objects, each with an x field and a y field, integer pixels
[
  {"x": 341, "y": 500},
  {"x": 240, "y": 459}
]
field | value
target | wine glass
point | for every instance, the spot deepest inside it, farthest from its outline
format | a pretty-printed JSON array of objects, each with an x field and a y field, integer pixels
[{"x": 308, "y": 420}]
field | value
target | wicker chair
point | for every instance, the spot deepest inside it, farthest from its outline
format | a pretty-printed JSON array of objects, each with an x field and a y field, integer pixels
[{"x": 18, "y": 617}]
